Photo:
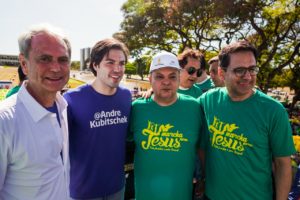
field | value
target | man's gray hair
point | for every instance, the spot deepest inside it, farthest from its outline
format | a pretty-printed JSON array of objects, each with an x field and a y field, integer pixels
[{"x": 25, "y": 38}]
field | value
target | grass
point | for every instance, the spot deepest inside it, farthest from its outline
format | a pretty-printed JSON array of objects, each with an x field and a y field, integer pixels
[{"x": 73, "y": 83}]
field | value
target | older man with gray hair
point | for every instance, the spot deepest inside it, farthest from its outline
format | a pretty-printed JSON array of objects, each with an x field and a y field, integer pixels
[{"x": 33, "y": 123}]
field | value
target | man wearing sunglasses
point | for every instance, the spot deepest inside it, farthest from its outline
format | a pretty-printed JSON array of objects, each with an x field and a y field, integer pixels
[
  {"x": 247, "y": 131},
  {"x": 189, "y": 61}
]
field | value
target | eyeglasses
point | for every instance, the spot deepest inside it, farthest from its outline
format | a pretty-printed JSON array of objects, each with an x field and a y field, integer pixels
[
  {"x": 192, "y": 70},
  {"x": 241, "y": 71}
]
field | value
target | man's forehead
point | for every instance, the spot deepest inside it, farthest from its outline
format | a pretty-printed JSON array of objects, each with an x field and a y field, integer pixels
[
  {"x": 214, "y": 65},
  {"x": 166, "y": 70},
  {"x": 45, "y": 43},
  {"x": 242, "y": 53},
  {"x": 116, "y": 54}
]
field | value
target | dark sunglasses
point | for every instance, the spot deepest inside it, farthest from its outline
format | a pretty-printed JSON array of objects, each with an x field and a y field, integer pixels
[{"x": 192, "y": 70}]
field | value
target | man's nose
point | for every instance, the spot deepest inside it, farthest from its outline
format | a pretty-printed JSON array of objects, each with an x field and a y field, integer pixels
[
  {"x": 247, "y": 75},
  {"x": 117, "y": 67},
  {"x": 55, "y": 65},
  {"x": 166, "y": 81}
]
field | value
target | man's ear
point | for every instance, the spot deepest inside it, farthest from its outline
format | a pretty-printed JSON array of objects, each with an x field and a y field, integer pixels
[
  {"x": 221, "y": 73},
  {"x": 23, "y": 63},
  {"x": 150, "y": 78},
  {"x": 95, "y": 66}
]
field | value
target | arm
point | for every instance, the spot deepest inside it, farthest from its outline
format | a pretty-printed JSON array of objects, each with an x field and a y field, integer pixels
[
  {"x": 201, "y": 155},
  {"x": 283, "y": 177},
  {"x": 147, "y": 94},
  {"x": 200, "y": 184}
]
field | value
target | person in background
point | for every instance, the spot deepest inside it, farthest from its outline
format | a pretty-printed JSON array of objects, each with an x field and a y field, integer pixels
[
  {"x": 98, "y": 120},
  {"x": 248, "y": 131},
  {"x": 33, "y": 123},
  {"x": 204, "y": 82},
  {"x": 189, "y": 61},
  {"x": 22, "y": 77},
  {"x": 213, "y": 72},
  {"x": 166, "y": 131}
]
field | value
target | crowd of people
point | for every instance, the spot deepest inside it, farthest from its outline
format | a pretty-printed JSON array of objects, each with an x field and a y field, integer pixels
[{"x": 220, "y": 130}]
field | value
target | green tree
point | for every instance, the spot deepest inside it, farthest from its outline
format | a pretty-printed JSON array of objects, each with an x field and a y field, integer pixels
[
  {"x": 130, "y": 69},
  {"x": 142, "y": 64},
  {"x": 167, "y": 25},
  {"x": 75, "y": 65},
  {"x": 172, "y": 25},
  {"x": 273, "y": 26}
]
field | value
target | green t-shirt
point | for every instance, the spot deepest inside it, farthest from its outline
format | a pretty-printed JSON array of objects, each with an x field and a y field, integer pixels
[
  {"x": 13, "y": 91},
  {"x": 206, "y": 85},
  {"x": 243, "y": 138},
  {"x": 194, "y": 91},
  {"x": 166, "y": 138}
]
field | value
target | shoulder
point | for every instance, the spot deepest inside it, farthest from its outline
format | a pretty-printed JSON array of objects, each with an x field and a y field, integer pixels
[
  {"x": 78, "y": 89},
  {"x": 141, "y": 101},
  {"x": 184, "y": 97},
  {"x": 267, "y": 101},
  {"x": 74, "y": 92},
  {"x": 187, "y": 100},
  {"x": 196, "y": 87},
  {"x": 214, "y": 92},
  {"x": 124, "y": 91}
]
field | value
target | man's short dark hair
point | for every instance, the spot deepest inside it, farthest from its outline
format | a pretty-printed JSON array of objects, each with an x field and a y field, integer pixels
[
  {"x": 243, "y": 45},
  {"x": 190, "y": 53},
  {"x": 102, "y": 48}
]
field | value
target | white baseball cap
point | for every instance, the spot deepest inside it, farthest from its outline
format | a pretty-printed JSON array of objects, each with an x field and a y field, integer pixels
[{"x": 164, "y": 59}]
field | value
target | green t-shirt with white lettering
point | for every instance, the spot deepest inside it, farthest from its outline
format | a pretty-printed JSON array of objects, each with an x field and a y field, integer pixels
[
  {"x": 166, "y": 139},
  {"x": 243, "y": 138}
]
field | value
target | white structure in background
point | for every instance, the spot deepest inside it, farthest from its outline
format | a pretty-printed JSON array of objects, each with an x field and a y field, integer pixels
[
  {"x": 84, "y": 58},
  {"x": 5, "y": 84},
  {"x": 9, "y": 60}
]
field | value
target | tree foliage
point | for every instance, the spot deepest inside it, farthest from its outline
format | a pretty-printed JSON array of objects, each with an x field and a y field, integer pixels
[
  {"x": 75, "y": 65},
  {"x": 172, "y": 25},
  {"x": 130, "y": 69}
]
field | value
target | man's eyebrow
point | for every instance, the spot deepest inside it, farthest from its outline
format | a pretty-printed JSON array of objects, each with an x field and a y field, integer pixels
[{"x": 111, "y": 59}]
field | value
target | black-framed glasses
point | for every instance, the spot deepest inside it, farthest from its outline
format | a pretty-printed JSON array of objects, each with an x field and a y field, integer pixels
[
  {"x": 241, "y": 71},
  {"x": 192, "y": 70}
]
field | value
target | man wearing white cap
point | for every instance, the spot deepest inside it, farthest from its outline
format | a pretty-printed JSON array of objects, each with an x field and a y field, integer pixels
[{"x": 166, "y": 132}]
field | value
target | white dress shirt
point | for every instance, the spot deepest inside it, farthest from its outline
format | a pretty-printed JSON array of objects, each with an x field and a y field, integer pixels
[{"x": 31, "y": 141}]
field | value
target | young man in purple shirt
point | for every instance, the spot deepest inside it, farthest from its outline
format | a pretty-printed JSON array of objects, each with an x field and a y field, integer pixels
[{"x": 98, "y": 118}]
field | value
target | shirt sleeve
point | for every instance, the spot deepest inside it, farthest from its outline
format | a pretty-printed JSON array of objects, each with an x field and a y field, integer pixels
[
  {"x": 130, "y": 127},
  {"x": 280, "y": 135},
  {"x": 4, "y": 159}
]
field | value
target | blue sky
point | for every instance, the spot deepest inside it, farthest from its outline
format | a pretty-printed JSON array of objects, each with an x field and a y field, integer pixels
[{"x": 84, "y": 21}]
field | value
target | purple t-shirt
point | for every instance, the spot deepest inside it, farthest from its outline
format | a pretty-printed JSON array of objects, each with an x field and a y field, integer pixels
[{"x": 97, "y": 130}]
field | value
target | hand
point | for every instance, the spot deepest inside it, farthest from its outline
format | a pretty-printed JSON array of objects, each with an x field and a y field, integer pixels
[
  {"x": 199, "y": 189},
  {"x": 147, "y": 94}
]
